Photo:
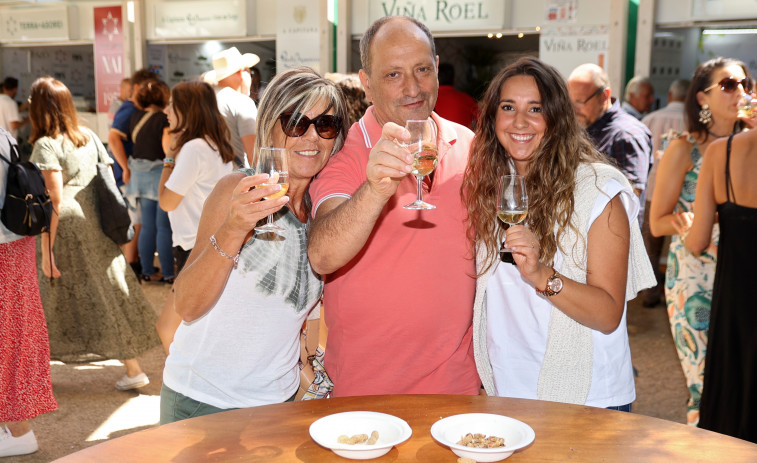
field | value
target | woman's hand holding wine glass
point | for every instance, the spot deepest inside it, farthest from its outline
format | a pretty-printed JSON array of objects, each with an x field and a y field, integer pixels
[{"x": 273, "y": 161}]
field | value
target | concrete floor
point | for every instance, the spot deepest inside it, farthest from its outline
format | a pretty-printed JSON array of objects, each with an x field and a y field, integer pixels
[{"x": 92, "y": 410}]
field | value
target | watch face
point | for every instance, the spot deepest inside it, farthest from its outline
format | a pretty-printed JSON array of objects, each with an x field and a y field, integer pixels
[{"x": 555, "y": 285}]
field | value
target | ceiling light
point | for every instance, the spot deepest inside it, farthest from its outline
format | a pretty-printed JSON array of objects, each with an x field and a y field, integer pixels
[{"x": 729, "y": 31}]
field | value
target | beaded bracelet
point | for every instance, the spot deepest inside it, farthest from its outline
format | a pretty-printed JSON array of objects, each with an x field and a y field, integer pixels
[
  {"x": 168, "y": 165},
  {"x": 214, "y": 243},
  {"x": 169, "y": 160}
]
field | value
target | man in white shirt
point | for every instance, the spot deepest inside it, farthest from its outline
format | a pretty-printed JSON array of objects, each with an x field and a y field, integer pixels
[
  {"x": 10, "y": 120},
  {"x": 660, "y": 122},
  {"x": 232, "y": 78}
]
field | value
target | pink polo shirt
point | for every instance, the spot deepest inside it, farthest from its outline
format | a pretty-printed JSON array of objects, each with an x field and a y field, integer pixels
[{"x": 400, "y": 313}]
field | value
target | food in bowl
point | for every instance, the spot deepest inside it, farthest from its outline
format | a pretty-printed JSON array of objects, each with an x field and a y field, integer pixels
[
  {"x": 481, "y": 441},
  {"x": 359, "y": 439}
]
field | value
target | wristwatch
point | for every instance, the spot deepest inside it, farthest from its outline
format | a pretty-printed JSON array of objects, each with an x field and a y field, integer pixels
[{"x": 554, "y": 285}]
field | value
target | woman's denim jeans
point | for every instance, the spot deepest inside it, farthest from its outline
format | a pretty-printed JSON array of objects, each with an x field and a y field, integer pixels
[{"x": 156, "y": 232}]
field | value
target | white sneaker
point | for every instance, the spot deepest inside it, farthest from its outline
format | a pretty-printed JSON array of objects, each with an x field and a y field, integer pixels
[
  {"x": 21, "y": 445},
  {"x": 127, "y": 383}
]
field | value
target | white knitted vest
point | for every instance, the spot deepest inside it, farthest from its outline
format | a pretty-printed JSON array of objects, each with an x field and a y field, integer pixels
[{"x": 566, "y": 370}]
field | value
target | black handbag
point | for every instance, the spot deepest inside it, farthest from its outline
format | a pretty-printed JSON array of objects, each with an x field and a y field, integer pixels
[{"x": 114, "y": 212}]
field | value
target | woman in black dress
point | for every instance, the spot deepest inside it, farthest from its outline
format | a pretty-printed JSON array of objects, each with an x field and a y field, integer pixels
[{"x": 726, "y": 186}]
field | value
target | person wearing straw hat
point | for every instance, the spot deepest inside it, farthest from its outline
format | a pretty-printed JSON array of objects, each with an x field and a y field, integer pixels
[{"x": 232, "y": 78}]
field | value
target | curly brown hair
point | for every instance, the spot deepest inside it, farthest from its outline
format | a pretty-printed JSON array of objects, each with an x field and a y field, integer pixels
[{"x": 550, "y": 180}]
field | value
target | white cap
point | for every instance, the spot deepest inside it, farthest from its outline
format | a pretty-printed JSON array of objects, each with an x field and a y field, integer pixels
[{"x": 229, "y": 61}]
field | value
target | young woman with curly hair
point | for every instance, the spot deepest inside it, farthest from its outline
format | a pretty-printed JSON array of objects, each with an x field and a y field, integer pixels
[{"x": 539, "y": 333}]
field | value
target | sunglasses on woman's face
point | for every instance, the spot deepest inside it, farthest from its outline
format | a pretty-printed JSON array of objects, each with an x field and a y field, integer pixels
[
  {"x": 730, "y": 85},
  {"x": 326, "y": 125}
]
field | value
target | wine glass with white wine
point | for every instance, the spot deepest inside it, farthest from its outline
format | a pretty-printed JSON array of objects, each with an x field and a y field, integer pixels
[
  {"x": 423, "y": 146},
  {"x": 512, "y": 202},
  {"x": 273, "y": 161}
]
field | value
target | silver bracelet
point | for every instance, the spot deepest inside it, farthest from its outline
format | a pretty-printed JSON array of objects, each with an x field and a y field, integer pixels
[{"x": 220, "y": 251}]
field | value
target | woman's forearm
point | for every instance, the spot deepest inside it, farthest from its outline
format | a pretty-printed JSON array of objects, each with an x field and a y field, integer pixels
[{"x": 203, "y": 279}]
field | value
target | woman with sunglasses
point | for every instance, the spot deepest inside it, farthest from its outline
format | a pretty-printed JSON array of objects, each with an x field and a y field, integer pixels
[
  {"x": 198, "y": 156},
  {"x": 244, "y": 297},
  {"x": 711, "y": 113}
]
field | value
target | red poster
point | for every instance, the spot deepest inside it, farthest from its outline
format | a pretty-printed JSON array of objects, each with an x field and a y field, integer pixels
[{"x": 109, "y": 55}]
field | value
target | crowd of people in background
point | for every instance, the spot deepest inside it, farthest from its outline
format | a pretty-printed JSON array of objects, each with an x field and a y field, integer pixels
[{"x": 546, "y": 321}]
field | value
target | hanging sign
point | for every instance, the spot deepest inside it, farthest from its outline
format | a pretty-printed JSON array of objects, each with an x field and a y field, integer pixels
[
  {"x": 109, "y": 55},
  {"x": 219, "y": 18},
  {"x": 39, "y": 24},
  {"x": 566, "y": 47},
  {"x": 298, "y": 34},
  {"x": 444, "y": 15}
]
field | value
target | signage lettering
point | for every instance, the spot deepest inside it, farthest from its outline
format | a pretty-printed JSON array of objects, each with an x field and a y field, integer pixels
[
  {"x": 25, "y": 25},
  {"x": 113, "y": 64},
  {"x": 457, "y": 11},
  {"x": 445, "y": 11},
  {"x": 558, "y": 45}
]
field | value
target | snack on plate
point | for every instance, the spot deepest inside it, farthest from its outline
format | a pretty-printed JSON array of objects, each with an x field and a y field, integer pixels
[
  {"x": 481, "y": 441},
  {"x": 358, "y": 439}
]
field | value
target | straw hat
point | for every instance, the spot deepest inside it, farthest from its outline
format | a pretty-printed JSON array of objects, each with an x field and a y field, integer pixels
[{"x": 229, "y": 61}]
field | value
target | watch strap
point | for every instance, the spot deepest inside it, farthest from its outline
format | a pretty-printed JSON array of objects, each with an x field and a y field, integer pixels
[{"x": 547, "y": 291}]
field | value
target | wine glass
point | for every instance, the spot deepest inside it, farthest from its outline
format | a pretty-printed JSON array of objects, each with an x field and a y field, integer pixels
[
  {"x": 747, "y": 106},
  {"x": 512, "y": 202},
  {"x": 273, "y": 161},
  {"x": 423, "y": 146}
]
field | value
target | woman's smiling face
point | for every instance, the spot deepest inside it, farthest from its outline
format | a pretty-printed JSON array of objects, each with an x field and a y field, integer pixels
[{"x": 520, "y": 124}]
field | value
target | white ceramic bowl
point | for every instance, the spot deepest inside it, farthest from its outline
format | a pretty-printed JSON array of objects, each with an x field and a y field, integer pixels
[
  {"x": 448, "y": 431},
  {"x": 392, "y": 431}
]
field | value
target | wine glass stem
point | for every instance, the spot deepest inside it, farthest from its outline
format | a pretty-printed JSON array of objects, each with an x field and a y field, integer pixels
[
  {"x": 420, "y": 188},
  {"x": 270, "y": 220}
]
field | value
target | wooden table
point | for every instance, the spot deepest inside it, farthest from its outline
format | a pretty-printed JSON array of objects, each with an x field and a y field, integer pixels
[{"x": 280, "y": 433}]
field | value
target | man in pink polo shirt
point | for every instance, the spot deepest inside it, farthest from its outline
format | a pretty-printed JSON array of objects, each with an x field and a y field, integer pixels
[{"x": 399, "y": 283}]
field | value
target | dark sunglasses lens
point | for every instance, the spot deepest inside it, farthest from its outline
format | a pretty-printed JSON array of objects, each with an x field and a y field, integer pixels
[
  {"x": 731, "y": 85},
  {"x": 295, "y": 130},
  {"x": 326, "y": 126}
]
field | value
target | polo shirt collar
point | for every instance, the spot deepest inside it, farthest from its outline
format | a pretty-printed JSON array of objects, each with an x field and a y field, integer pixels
[{"x": 372, "y": 129}]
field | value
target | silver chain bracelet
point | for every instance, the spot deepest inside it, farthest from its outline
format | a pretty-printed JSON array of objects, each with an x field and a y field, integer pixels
[{"x": 220, "y": 251}]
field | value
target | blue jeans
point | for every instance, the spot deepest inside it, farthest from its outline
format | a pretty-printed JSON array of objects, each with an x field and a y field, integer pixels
[
  {"x": 621, "y": 408},
  {"x": 156, "y": 232}
]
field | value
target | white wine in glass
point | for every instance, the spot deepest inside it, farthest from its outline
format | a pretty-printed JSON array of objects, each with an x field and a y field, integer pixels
[
  {"x": 512, "y": 202},
  {"x": 422, "y": 145},
  {"x": 273, "y": 161}
]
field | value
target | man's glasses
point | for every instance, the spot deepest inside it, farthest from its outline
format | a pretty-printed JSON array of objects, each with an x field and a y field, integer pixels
[
  {"x": 730, "y": 85},
  {"x": 596, "y": 92},
  {"x": 327, "y": 126}
]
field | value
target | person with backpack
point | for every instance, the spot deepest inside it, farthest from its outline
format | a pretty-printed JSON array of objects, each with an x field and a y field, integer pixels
[
  {"x": 26, "y": 389},
  {"x": 94, "y": 305}
]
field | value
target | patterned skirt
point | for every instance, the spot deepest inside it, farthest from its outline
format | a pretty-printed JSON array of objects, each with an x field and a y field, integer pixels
[{"x": 26, "y": 389}]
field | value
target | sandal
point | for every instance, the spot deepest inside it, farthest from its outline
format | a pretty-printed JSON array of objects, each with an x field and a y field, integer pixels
[
  {"x": 149, "y": 278},
  {"x": 168, "y": 281}
]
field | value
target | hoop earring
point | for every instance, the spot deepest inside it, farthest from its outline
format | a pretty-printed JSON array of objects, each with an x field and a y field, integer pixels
[{"x": 705, "y": 115}]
